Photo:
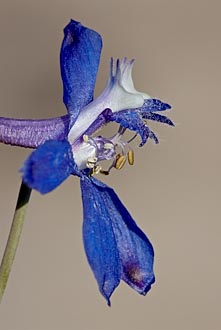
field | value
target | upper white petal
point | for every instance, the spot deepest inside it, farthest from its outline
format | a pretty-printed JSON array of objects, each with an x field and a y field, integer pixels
[
  {"x": 126, "y": 68},
  {"x": 119, "y": 94}
]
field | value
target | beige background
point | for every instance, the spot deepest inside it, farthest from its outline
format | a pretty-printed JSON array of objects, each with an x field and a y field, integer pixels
[{"x": 173, "y": 191}]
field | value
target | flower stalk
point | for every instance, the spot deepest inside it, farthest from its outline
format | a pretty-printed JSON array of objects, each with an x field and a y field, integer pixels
[{"x": 14, "y": 236}]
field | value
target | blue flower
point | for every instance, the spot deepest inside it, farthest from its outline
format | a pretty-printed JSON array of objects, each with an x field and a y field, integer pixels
[{"x": 115, "y": 247}]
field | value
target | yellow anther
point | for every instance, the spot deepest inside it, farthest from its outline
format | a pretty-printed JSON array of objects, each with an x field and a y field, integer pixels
[
  {"x": 90, "y": 165},
  {"x": 108, "y": 146},
  {"x": 85, "y": 138},
  {"x": 97, "y": 169},
  {"x": 120, "y": 161},
  {"x": 130, "y": 157},
  {"x": 92, "y": 160}
]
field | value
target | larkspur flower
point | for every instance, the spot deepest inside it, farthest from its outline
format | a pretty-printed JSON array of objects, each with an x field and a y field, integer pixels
[{"x": 116, "y": 248}]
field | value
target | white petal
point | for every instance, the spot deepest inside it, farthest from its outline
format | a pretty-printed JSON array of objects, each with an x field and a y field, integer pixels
[
  {"x": 119, "y": 94},
  {"x": 126, "y": 77},
  {"x": 81, "y": 153}
]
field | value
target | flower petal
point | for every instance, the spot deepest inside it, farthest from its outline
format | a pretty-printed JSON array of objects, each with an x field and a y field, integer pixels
[
  {"x": 132, "y": 120},
  {"x": 135, "y": 250},
  {"x": 156, "y": 117},
  {"x": 126, "y": 77},
  {"x": 79, "y": 58},
  {"x": 30, "y": 133},
  {"x": 119, "y": 94},
  {"x": 152, "y": 105},
  {"x": 99, "y": 241},
  {"x": 48, "y": 166}
]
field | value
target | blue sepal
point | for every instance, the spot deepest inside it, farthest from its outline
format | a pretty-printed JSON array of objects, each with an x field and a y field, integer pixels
[
  {"x": 79, "y": 59},
  {"x": 48, "y": 166},
  {"x": 99, "y": 241},
  {"x": 111, "y": 237}
]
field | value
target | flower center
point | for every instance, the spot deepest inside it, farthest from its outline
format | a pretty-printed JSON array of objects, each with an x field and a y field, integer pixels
[{"x": 94, "y": 150}]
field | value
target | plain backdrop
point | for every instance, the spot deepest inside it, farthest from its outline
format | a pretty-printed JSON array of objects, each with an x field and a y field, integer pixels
[{"x": 173, "y": 191}]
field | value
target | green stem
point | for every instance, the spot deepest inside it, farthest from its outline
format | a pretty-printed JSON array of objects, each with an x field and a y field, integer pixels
[{"x": 14, "y": 235}]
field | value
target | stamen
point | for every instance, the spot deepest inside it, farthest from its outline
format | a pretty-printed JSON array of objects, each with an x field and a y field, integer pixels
[
  {"x": 121, "y": 130},
  {"x": 108, "y": 146},
  {"x": 91, "y": 162},
  {"x": 92, "y": 142},
  {"x": 120, "y": 161},
  {"x": 133, "y": 137},
  {"x": 85, "y": 138},
  {"x": 130, "y": 157},
  {"x": 89, "y": 165},
  {"x": 97, "y": 169}
]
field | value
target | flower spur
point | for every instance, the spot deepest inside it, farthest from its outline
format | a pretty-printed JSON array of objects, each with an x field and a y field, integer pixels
[{"x": 116, "y": 248}]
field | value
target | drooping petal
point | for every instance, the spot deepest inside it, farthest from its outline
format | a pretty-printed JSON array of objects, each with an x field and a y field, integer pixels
[
  {"x": 48, "y": 166},
  {"x": 79, "y": 58},
  {"x": 30, "y": 133},
  {"x": 99, "y": 240},
  {"x": 135, "y": 250}
]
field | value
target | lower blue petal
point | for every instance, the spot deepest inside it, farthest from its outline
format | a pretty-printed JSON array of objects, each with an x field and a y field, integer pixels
[
  {"x": 99, "y": 240},
  {"x": 135, "y": 250},
  {"x": 48, "y": 166}
]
